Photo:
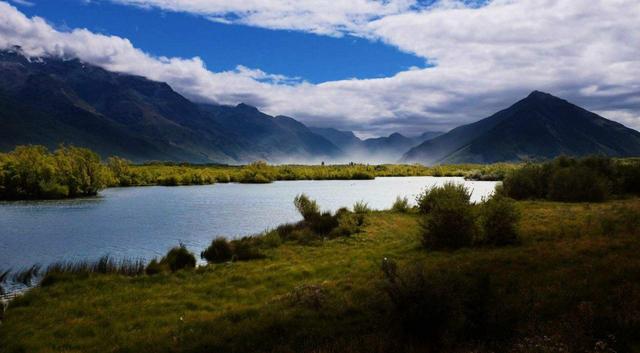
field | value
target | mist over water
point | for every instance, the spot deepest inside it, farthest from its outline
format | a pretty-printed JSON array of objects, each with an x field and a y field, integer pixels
[{"x": 143, "y": 222}]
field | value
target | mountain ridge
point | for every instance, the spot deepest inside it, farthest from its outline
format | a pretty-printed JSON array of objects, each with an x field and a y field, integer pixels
[
  {"x": 540, "y": 126},
  {"x": 137, "y": 118}
]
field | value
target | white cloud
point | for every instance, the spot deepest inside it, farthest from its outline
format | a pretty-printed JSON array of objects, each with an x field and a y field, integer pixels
[{"x": 486, "y": 58}]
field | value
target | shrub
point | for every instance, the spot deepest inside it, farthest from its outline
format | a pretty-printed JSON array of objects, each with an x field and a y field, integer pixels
[
  {"x": 323, "y": 223},
  {"x": 245, "y": 249},
  {"x": 401, "y": 204},
  {"x": 219, "y": 251},
  {"x": 450, "y": 222},
  {"x": 448, "y": 191},
  {"x": 361, "y": 207},
  {"x": 304, "y": 236},
  {"x": 308, "y": 208},
  {"x": 443, "y": 307},
  {"x": 499, "y": 218},
  {"x": 348, "y": 224},
  {"x": 578, "y": 184},
  {"x": 528, "y": 182},
  {"x": 179, "y": 258},
  {"x": 628, "y": 178},
  {"x": 154, "y": 267}
]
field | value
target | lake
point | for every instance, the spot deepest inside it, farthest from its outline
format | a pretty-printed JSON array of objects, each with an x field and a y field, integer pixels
[{"x": 144, "y": 222}]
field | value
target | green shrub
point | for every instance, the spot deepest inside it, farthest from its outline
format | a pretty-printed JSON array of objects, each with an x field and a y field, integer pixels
[
  {"x": 401, "y": 205},
  {"x": 219, "y": 251},
  {"x": 361, "y": 207},
  {"x": 169, "y": 180},
  {"x": 154, "y": 267},
  {"x": 590, "y": 179},
  {"x": 179, "y": 258},
  {"x": 245, "y": 249},
  {"x": 304, "y": 236},
  {"x": 323, "y": 223},
  {"x": 441, "y": 308},
  {"x": 348, "y": 224},
  {"x": 578, "y": 184},
  {"x": 32, "y": 172},
  {"x": 449, "y": 191},
  {"x": 499, "y": 217},
  {"x": 306, "y": 207},
  {"x": 450, "y": 222},
  {"x": 528, "y": 182}
]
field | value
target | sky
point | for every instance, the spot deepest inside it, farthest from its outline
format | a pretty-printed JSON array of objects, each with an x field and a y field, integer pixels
[{"x": 371, "y": 66}]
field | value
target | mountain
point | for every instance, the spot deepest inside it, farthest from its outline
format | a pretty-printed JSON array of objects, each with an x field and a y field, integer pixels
[
  {"x": 539, "y": 126},
  {"x": 345, "y": 140},
  {"x": 379, "y": 149},
  {"x": 50, "y": 101}
]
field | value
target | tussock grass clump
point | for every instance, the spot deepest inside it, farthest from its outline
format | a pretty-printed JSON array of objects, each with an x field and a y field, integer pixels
[
  {"x": 401, "y": 205},
  {"x": 244, "y": 249},
  {"x": 361, "y": 207},
  {"x": 307, "y": 208},
  {"x": 178, "y": 258},
  {"x": 219, "y": 251}
]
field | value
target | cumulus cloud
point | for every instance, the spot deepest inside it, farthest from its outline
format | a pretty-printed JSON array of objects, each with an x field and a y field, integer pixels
[{"x": 485, "y": 58}]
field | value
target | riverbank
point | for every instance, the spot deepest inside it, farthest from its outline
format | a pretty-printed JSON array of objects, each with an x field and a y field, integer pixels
[
  {"x": 571, "y": 283},
  {"x": 34, "y": 173}
]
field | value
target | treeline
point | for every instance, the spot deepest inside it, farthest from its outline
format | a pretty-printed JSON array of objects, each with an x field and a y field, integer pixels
[
  {"x": 33, "y": 172},
  {"x": 589, "y": 179}
]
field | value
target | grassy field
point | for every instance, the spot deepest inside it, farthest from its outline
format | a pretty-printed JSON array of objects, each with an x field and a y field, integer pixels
[
  {"x": 187, "y": 174},
  {"x": 573, "y": 284}
]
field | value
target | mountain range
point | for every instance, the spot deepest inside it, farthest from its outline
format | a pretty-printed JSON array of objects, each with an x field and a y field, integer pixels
[
  {"x": 50, "y": 101},
  {"x": 539, "y": 126}
]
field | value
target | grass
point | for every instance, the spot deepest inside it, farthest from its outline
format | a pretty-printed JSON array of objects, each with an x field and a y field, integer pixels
[
  {"x": 329, "y": 297},
  {"x": 187, "y": 174}
]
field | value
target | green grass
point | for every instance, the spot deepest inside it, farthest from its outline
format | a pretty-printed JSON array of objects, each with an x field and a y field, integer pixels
[
  {"x": 329, "y": 297},
  {"x": 187, "y": 174}
]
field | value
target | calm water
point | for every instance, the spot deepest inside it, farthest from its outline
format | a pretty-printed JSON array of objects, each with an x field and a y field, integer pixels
[{"x": 143, "y": 222}]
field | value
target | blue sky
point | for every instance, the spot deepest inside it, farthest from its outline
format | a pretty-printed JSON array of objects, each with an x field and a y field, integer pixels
[
  {"x": 307, "y": 56},
  {"x": 357, "y": 65}
]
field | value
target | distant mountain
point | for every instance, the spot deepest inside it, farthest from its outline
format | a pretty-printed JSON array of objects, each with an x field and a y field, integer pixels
[
  {"x": 379, "y": 149},
  {"x": 345, "y": 140},
  {"x": 51, "y": 101},
  {"x": 539, "y": 126}
]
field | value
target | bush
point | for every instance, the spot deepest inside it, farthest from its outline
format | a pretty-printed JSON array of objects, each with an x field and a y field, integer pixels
[
  {"x": 245, "y": 249},
  {"x": 450, "y": 222},
  {"x": 219, "y": 251},
  {"x": 578, "y": 184},
  {"x": 323, "y": 223},
  {"x": 306, "y": 207},
  {"x": 448, "y": 191},
  {"x": 154, "y": 267},
  {"x": 499, "y": 218},
  {"x": 590, "y": 179},
  {"x": 179, "y": 258},
  {"x": 361, "y": 207},
  {"x": 348, "y": 224},
  {"x": 528, "y": 182},
  {"x": 441, "y": 308},
  {"x": 401, "y": 205}
]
